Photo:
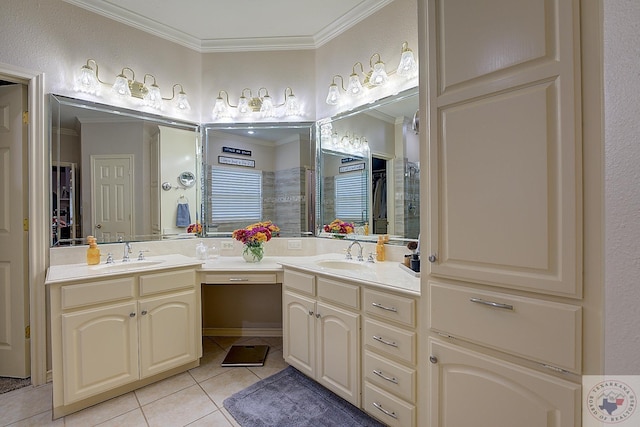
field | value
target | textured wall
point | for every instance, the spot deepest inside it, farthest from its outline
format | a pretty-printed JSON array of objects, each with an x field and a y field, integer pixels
[{"x": 622, "y": 186}]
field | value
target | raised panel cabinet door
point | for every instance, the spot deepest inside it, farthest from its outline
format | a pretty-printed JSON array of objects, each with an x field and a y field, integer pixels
[
  {"x": 298, "y": 334},
  {"x": 338, "y": 351},
  {"x": 167, "y": 332},
  {"x": 99, "y": 350},
  {"x": 502, "y": 98},
  {"x": 472, "y": 389}
]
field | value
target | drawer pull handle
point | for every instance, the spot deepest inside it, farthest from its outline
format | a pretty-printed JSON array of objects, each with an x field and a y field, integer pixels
[
  {"x": 391, "y": 414},
  {"x": 492, "y": 304},
  {"x": 384, "y": 377},
  {"x": 238, "y": 279},
  {"x": 383, "y": 341},
  {"x": 375, "y": 304}
]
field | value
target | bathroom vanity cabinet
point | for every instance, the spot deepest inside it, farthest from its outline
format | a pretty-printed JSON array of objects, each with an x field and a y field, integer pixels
[
  {"x": 110, "y": 336},
  {"x": 357, "y": 341}
]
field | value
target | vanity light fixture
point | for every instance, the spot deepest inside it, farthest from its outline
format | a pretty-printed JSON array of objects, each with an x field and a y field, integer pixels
[
  {"x": 349, "y": 144},
  {"x": 262, "y": 103},
  {"x": 126, "y": 87},
  {"x": 377, "y": 76}
]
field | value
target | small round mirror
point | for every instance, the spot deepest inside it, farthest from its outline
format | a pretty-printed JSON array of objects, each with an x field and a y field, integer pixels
[{"x": 187, "y": 179}]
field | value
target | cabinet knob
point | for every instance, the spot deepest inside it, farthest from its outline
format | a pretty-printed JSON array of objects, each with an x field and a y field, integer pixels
[
  {"x": 98, "y": 226},
  {"x": 144, "y": 312},
  {"x": 317, "y": 315},
  {"x": 432, "y": 258},
  {"x": 433, "y": 359},
  {"x": 132, "y": 315},
  {"x": 310, "y": 313}
]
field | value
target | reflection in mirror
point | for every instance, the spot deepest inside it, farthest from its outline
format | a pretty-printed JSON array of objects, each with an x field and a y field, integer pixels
[
  {"x": 389, "y": 198},
  {"x": 259, "y": 172},
  {"x": 108, "y": 166}
]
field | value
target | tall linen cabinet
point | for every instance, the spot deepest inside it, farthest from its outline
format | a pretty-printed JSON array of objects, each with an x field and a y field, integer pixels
[{"x": 501, "y": 133}]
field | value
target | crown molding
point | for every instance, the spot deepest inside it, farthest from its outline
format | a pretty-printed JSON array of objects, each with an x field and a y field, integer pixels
[{"x": 354, "y": 16}]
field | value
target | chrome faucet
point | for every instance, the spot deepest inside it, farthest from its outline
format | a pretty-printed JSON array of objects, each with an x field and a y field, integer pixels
[
  {"x": 355, "y": 242},
  {"x": 127, "y": 251}
]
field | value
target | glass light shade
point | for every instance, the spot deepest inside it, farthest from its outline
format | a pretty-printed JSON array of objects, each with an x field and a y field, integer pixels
[
  {"x": 379, "y": 75},
  {"x": 121, "y": 86},
  {"x": 267, "y": 109},
  {"x": 292, "y": 106},
  {"x": 87, "y": 81},
  {"x": 407, "y": 66},
  {"x": 220, "y": 110},
  {"x": 182, "y": 103},
  {"x": 243, "y": 105},
  {"x": 153, "y": 98},
  {"x": 334, "y": 138},
  {"x": 333, "y": 97},
  {"x": 355, "y": 87}
]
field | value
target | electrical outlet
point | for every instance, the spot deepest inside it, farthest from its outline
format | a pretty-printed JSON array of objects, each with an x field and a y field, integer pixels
[
  {"x": 227, "y": 244},
  {"x": 294, "y": 244}
]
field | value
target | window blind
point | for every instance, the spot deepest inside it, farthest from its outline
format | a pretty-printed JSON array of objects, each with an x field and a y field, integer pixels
[
  {"x": 351, "y": 200},
  {"x": 236, "y": 195}
]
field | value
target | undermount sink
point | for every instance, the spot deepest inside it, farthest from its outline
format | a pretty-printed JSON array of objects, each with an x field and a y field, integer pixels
[
  {"x": 342, "y": 265},
  {"x": 130, "y": 265}
]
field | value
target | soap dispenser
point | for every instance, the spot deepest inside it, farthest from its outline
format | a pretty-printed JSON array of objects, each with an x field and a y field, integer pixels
[
  {"x": 201, "y": 251},
  {"x": 93, "y": 253},
  {"x": 380, "y": 255}
]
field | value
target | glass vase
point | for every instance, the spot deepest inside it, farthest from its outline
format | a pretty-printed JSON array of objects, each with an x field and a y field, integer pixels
[{"x": 253, "y": 253}]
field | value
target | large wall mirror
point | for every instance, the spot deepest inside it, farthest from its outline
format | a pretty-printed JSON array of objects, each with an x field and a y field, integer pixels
[
  {"x": 120, "y": 174},
  {"x": 379, "y": 186},
  {"x": 259, "y": 172}
]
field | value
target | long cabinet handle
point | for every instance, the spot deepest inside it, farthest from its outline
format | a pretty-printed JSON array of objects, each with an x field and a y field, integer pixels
[
  {"x": 383, "y": 341},
  {"x": 384, "y": 377},
  {"x": 391, "y": 414},
  {"x": 492, "y": 304},
  {"x": 375, "y": 304},
  {"x": 238, "y": 279}
]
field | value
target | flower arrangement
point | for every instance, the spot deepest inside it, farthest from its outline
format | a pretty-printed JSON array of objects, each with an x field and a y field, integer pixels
[
  {"x": 337, "y": 226},
  {"x": 253, "y": 237},
  {"x": 194, "y": 228}
]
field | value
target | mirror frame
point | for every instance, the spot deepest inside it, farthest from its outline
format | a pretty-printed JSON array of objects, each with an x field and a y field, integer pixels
[
  {"x": 405, "y": 94},
  {"x": 206, "y": 128},
  {"x": 54, "y": 134}
]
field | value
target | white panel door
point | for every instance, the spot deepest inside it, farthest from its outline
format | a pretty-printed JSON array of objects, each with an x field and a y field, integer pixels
[
  {"x": 14, "y": 288},
  {"x": 504, "y": 143},
  {"x": 112, "y": 193}
]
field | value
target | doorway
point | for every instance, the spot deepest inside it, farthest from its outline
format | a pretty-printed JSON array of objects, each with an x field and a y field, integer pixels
[
  {"x": 14, "y": 284},
  {"x": 379, "y": 195}
]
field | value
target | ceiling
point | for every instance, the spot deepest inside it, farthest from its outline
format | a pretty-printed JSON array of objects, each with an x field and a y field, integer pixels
[{"x": 238, "y": 25}]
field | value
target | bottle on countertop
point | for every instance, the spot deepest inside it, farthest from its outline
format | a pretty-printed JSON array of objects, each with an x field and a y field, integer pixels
[
  {"x": 415, "y": 262},
  {"x": 93, "y": 253},
  {"x": 201, "y": 252},
  {"x": 366, "y": 228},
  {"x": 380, "y": 249}
]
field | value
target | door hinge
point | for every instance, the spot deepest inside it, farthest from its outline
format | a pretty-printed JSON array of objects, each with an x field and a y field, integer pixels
[
  {"x": 27, "y": 332},
  {"x": 25, "y": 117},
  {"x": 25, "y": 224}
]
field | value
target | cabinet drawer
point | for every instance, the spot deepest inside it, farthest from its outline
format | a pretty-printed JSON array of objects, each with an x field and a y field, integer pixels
[
  {"x": 341, "y": 293},
  {"x": 97, "y": 292},
  {"x": 387, "y": 408},
  {"x": 240, "y": 278},
  {"x": 543, "y": 331},
  {"x": 390, "y": 376},
  {"x": 393, "y": 307},
  {"x": 166, "y": 281},
  {"x": 300, "y": 281},
  {"x": 390, "y": 340}
]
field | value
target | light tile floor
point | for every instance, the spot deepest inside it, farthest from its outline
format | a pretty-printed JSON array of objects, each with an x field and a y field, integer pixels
[{"x": 193, "y": 398}]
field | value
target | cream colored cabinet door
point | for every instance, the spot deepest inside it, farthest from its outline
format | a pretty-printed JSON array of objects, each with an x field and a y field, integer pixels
[
  {"x": 299, "y": 332},
  {"x": 338, "y": 351},
  {"x": 167, "y": 325},
  {"x": 100, "y": 350},
  {"x": 501, "y": 104},
  {"x": 471, "y": 389}
]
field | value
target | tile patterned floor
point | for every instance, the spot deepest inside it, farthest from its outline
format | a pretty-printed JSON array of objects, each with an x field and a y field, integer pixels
[{"x": 193, "y": 398}]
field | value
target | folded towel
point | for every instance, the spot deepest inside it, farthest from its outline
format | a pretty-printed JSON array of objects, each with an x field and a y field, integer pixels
[{"x": 183, "y": 218}]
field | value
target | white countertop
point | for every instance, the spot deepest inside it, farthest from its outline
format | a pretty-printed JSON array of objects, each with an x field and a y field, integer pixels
[
  {"x": 379, "y": 274},
  {"x": 386, "y": 274},
  {"x": 63, "y": 273}
]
